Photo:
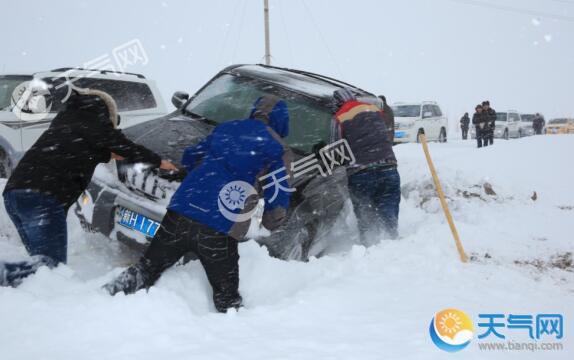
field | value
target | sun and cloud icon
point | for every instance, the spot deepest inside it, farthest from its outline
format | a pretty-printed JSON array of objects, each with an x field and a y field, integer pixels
[
  {"x": 232, "y": 199},
  {"x": 235, "y": 196},
  {"x": 451, "y": 330}
]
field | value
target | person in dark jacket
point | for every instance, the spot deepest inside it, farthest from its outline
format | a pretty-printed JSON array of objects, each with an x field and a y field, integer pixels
[
  {"x": 464, "y": 124},
  {"x": 389, "y": 117},
  {"x": 374, "y": 182},
  {"x": 490, "y": 114},
  {"x": 480, "y": 122},
  {"x": 56, "y": 170},
  {"x": 211, "y": 210},
  {"x": 538, "y": 124}
]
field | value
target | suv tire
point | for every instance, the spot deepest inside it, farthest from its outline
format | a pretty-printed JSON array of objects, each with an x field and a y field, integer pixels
[
  {"x": 442, "y": 136},
  {"x": 5, "y": 168}
]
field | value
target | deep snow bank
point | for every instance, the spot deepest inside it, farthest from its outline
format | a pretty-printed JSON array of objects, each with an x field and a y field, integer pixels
[{"x": 364, "y": 304}]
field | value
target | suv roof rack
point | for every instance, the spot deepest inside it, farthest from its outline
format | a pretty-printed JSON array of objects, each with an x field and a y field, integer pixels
[
  {"x": 327, "y": 79},
  {"x": 103, "y": 72}
]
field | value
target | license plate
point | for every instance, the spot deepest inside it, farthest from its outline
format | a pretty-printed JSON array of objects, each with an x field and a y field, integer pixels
[
  {"x": 399, "y": 134},
  {"x": 138, "y": 222}
]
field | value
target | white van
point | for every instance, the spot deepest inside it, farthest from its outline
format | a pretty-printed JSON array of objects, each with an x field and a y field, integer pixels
[{"x": 412, "y": 119}]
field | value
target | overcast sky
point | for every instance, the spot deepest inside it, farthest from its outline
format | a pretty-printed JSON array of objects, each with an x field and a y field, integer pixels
[{"x": 517, "y": 53}]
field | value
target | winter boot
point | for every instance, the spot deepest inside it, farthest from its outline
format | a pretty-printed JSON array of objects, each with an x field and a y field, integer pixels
[
  {"x": 131, "y": 280},
  {"x": 13, "y": 273}
]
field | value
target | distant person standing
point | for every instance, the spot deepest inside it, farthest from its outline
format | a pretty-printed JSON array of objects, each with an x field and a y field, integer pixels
[
  {"x": 538, "y": 124},
  {"x": 464, "y": 123},
  {"x": 480, "y": 123},
  {"x": 388, "y": 118},
  {"x": 490, "y": 121}
]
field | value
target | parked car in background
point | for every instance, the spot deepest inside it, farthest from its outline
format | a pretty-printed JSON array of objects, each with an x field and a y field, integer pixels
[
  {"x": 560, "y": 126},
  {"x": 508, "y": 125},
  {"x": 412, "y": 119},
  {"x": 527, "y": 121},
  {"x": 138, "y": 100},
  {"x": 126, "y": 202}
]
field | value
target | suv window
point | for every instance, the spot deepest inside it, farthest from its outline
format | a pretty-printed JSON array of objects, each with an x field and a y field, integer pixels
[
  {"x": 128, "y": 95},
  {"x": 512, "y": 117},
  {"x": 7, "y": 86},
  {"x": 231, "y": 97},
  {"x": 427, "y": 108},
  {"x": 436, "y": 111}
]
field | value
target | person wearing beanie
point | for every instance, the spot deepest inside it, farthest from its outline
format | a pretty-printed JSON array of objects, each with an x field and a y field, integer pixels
[
  {"x": 480, "y": 123},
  {"x": 56, "y": 170},
  {"x": 374, "y": 182},
  {"x": 233, "y": 157},
  {"x": 464, "y": 123},
  {"x": 491, "y": 121}
]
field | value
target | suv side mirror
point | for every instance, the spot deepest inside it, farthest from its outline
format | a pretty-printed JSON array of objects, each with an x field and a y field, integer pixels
[
  {"x": 179, "y": 98},
  {"x": 427, "y": 114}
]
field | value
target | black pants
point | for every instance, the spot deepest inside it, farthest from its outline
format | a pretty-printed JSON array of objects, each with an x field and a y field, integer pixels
[
  {"x": 217, "y": 252},
  {"x": 490, "y": 137},
  {"x": 464, "y": 133},
  {"x": 481, "y": 137}
]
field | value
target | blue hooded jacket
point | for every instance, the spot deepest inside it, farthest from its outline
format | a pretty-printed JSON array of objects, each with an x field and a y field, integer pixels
[{"x": 222, "y": 187}]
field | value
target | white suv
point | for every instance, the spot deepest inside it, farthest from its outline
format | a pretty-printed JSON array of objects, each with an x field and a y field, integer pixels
[
  {"x": 138, "y": 100},
  {"x": 508, "y": 125},
  {"x": 412, "y": 119}
]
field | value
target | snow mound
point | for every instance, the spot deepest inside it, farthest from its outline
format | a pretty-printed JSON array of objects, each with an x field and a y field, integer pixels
[{"x": 358, "y": 304}]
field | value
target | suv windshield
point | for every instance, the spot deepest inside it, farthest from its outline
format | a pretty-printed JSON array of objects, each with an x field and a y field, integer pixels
[
  {"x": 501, "y": 116},
  {"x": 231, "y": 97},
  {"x": 527, "y": 117},
  {"x": 407, "y": 110},
  {"x": 7, "y": 86},
  {"x": 558, "y": 121}
]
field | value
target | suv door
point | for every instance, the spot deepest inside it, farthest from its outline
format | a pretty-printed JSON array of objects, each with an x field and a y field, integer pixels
[
  {"x": 513, "y": 124},
  {"x": 427, "y": 121},
  {"x": 436, "y": 123}
]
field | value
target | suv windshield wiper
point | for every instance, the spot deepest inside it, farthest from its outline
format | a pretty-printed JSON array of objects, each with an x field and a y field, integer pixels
[{"x": 200, "y": 117}]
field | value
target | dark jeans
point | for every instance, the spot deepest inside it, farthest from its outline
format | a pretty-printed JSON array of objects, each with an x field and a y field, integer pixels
[
  {"x": 376, "y": 194},
  {"x": 482, "y": 137},
  {"x": 41, "y": 223},
  {"x": 176, "y": 237},
  {"x": 464, "y": 133}
]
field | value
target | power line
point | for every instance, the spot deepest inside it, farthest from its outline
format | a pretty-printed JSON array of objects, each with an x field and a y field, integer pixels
[
  {"x": 516, "y": 10},
  {"x": 333, "y": 59},
  {"x": 286, "y": 32},
  {"x": 228, "y": 30}
]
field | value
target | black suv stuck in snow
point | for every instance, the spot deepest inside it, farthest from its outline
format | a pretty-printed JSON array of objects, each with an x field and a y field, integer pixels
[{"x": 127, "y": 201}]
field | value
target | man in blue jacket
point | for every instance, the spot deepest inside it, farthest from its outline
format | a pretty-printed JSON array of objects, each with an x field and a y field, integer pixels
[{"x": 211, "y": 210}]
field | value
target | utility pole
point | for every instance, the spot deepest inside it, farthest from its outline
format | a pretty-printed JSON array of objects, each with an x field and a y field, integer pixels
[{"x": 267, "y": 40}]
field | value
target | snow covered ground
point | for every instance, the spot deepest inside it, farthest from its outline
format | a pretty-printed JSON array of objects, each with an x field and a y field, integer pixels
[{"x": 371, "y": 303}]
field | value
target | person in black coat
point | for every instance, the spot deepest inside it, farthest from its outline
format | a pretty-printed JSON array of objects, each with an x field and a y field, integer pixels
[
  {"x": 538, "y": 124},
  {"x": 464, "y": 123},
  {"x": 490, "y": 114},
  {"x": 56, "y": 170},
  {"x": 480, "y": 122}
]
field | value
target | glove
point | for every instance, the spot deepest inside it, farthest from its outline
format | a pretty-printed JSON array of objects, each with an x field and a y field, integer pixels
[{"x": 273, "y": 219}]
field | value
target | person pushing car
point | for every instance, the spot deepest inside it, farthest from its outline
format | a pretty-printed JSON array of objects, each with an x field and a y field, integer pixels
[
  {"x": 374, "y": 182},
  {"x": 56, "y": 170},
  {"x": 211, "y": 210}
]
